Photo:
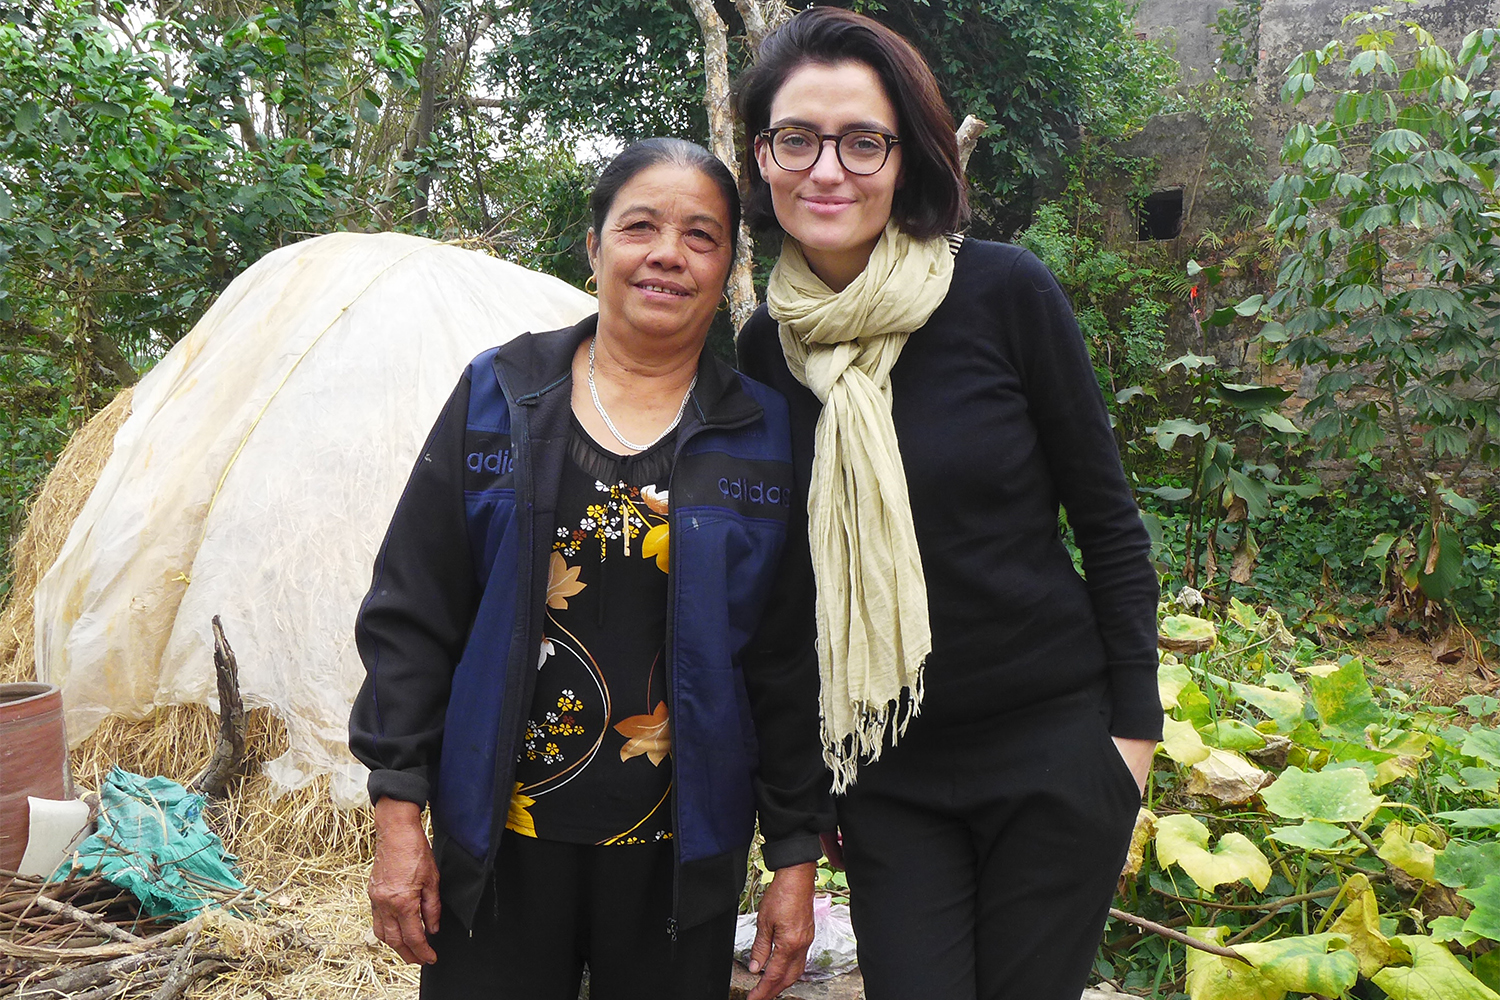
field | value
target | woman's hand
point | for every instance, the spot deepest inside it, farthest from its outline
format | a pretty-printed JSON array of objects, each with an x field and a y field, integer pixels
[
  {"x": 833, "y": 849},
  {"x": 404, "y": 882},
  {"x": 1137, "y": 754},
  {"x": 784, "y": 930}
]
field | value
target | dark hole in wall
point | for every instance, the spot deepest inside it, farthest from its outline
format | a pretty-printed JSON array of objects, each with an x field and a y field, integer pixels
[{"x": 1161, "y": 215}]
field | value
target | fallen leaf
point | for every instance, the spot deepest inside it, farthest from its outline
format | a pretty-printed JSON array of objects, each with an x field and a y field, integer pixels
[{"x": 646, "y": 734}]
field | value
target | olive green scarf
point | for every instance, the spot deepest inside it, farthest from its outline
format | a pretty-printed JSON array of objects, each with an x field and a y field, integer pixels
[{"x": 873, "y": 629}]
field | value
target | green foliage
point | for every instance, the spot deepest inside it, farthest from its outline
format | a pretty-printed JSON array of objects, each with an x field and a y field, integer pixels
[
  {"x": 1336, "y": 559},
  {"x": 1117, "y": 292},
  {"x": 617, "y": 68},
  {"x": 1389, "y": 206},
  {"x": 1039, "y": 73}
]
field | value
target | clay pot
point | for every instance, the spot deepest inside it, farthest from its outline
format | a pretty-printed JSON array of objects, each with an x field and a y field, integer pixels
[{"x": 33, "y": 760}]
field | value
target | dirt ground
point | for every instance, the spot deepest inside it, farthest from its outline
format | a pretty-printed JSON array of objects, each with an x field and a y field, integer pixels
[{"x": 1414, "y": 666}]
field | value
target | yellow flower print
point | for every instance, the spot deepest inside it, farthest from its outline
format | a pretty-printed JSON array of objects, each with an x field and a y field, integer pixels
[
  {"x": 656, "y": 545},
  {"x": 517, "y": 819}
]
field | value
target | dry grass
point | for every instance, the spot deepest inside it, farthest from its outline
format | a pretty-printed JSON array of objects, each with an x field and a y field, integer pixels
[
  {"x": 309, "y": 859},
  {"x": 48, "y": 522}
]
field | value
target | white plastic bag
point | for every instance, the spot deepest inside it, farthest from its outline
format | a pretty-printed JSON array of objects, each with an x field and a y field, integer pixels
[{"x": 832, "y": 952}]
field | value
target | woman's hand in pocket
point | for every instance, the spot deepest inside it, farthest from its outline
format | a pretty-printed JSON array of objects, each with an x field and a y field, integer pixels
[{"x": 1137, "y": 754}]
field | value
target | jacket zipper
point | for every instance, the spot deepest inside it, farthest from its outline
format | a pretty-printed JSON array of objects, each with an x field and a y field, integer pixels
[
  {"x": 525, "y": 491},
  {"x": 673, "y": 547}
]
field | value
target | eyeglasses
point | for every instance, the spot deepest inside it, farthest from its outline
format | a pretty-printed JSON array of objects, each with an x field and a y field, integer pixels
[{"x": 860, "y": 152}]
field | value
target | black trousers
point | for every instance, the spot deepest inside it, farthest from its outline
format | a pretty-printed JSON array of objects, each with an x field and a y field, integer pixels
[
  {"x": 554, "y": 908},
  {"x": 982, "y": 861}
]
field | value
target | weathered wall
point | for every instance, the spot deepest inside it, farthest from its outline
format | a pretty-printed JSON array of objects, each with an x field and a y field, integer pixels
[{"x": 1184, "y": 25}]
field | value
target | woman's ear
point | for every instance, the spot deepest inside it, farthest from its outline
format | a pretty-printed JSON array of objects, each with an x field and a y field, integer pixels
[
  {"x": 591, "y": 243},
  {"x": 762, "y": 154}
]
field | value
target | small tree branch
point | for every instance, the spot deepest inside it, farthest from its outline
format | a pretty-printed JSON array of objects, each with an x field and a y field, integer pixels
[
  {"x": 968, "y": 138},
  {"x": 101, "y": 927},
  {"x": 1178, "y": 936},
  {"x": 229, "y": 755}
]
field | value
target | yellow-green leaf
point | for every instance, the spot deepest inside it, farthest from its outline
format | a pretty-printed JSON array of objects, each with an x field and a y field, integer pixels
[
  {"x": 1317, "y": 963},
  {"x": 1232, "y": 734},
  {"x": 1181, "y": 742},
  {"x": 1171, "y": 678},
  {"x": 1187, "y": 633},
  {"x": 1343, "y": 699},
  {"x": 1400, "y": 848},
  {"x": 1282, "y": 707},
  {"x": 1339, "y": 796},
  {"x": 1360, "y": 923},
  {"x": 1313, "y": 963},
  {"x": 1183, "y": 841},
  {"x": 1312, "y": 835},
  {"x": 1213, "y": 977},
  {"x": 1434, "y": 974}
]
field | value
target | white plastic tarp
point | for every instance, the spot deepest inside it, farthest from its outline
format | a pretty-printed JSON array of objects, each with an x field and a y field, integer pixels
[{"x": 254, "y": 479}]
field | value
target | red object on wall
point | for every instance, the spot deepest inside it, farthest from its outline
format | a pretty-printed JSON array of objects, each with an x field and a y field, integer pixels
[{"x": 33, "y": 760}]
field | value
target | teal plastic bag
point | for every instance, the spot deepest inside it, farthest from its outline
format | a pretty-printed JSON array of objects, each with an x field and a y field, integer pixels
[{"x": 151, "y": 840}]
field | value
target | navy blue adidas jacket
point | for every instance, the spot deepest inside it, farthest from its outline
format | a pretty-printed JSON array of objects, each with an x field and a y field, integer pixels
[{"x": 451, "y": 629}]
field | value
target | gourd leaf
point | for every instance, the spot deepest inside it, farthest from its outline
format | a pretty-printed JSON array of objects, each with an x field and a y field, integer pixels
[
  {"x": 1341, "y": 796},
  {"x": 1183, "y": 841},
  {"x": 1434, "y": 974}
]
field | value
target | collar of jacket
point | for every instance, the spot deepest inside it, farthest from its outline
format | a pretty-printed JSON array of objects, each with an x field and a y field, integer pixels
[{"x": 536, "y": 364}]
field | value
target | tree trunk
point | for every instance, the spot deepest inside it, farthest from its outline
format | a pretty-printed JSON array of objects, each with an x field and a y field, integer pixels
[
  {"x": 721, "y": 141},
  {"x": 432, "y": 65}
]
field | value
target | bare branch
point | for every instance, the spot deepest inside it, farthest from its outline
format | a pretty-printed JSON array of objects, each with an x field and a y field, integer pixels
[
  {"x": 762, "y": 17},
  {"x": 968, "y": 138},
  {"x": 1178, "y": 936}
]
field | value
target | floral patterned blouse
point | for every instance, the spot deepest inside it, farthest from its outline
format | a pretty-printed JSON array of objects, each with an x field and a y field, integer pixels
[{"x": 593, "y": 766}]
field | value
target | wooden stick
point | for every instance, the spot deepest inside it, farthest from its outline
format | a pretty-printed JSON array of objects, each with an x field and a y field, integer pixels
[
  {"x": 179, "y": 974},
  {"x": 93, "y": 923},
  {"x": 169, "y": 938},
  {"x": 1178, "y": 936},
  {"x": 85, "y": 977},
  {"x": 229, "y": 755}
]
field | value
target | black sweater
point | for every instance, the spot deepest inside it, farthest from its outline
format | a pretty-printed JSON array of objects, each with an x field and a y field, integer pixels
[{"x": 999, "y": 418}]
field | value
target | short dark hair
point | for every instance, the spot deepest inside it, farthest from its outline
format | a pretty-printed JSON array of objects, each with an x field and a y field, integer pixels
[
  {"x": 651, "y": 152},
  {"x": 933, "y": 200}
]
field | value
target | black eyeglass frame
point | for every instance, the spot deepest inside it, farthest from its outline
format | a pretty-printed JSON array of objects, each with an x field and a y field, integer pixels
[{"x": 769, "y": 134}]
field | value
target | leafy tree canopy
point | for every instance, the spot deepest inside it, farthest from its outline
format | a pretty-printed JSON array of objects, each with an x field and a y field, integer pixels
[{"x": 1038, "y": 73}]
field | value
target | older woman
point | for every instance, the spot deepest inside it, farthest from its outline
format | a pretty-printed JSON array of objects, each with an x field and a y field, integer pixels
[
  {"x": 988, "y": 714},
  {"x": 565, "y": 644}
]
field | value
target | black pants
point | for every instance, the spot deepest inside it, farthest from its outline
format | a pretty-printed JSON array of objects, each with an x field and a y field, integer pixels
[
  {"x": 982, "y": 861},
  {"x": 554, "y": 908}
]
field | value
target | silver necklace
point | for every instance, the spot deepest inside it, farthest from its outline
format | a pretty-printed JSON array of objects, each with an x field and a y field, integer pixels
[{"x": 594, "y": 392}]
